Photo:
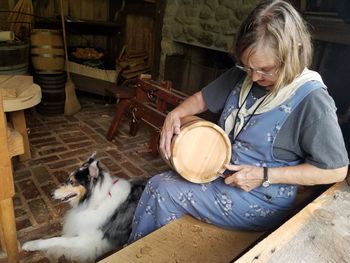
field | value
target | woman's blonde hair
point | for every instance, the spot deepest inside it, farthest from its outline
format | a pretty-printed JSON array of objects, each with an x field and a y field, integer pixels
[{"x": 277, "y": 27}]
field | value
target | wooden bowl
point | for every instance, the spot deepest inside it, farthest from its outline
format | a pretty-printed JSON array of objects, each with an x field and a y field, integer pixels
[{"x": 201, "y": 150}]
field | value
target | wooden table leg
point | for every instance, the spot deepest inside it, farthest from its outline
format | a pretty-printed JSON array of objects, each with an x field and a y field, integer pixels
[
  {"x": 153, "y": 144},
  {"x": 3, "y": 246},
  {"x": 122, "y": 106},
  {"x": 8, "y": 227},
  {"x": 18, "y": 121}
]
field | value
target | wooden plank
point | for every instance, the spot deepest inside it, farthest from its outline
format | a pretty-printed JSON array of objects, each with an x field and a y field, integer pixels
[
  {"x": 158, "y": 25},
  {"x": 87, "y": 9},
  {"x": 136, "y": 68},
  {"x": 140, "y": 33},
  {"x": 318, "y": 233},
  {"x": 11, "y": 4},
  {"x": 90, "y": 84},
  {"x": 22, "y": 144},
  {"x": 186, "y": 240},
  {"x": 15, "y": 143},
  {"x": 329, "y": 29},
  {"x": 123, "y": 63},
  {"x": 7, "y": 189},
  {"x": 102, "y": 12},
  {"x": 135, "y": 74}
]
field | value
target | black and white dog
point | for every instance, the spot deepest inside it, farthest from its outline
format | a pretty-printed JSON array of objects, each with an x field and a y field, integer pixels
[{"x": 100, "y": 218}]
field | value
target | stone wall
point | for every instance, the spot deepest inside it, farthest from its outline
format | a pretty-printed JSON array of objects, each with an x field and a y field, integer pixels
[{"x": 204, "y": 23}]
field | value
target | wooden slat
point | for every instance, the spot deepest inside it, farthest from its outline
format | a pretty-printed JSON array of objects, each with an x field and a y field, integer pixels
[
  {"x": 186, "y": 240},
  {"x": 6, "y": 180},
  {"x": 20, "y": 145},
  {"x": 135, "y": 74},
  {"x": 14, "y": 142},
  {"x": 318, "y": 233}
]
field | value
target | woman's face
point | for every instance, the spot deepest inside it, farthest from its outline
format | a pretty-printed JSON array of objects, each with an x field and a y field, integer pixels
[{"x": 260, "y": 65}]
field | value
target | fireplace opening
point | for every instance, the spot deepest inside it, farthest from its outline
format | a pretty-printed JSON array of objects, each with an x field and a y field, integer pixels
[{"x": 195, "y": 67}]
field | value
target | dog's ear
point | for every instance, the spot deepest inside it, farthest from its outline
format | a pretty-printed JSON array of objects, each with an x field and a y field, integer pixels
[
  {"x": 92, "y": 157},
  {"x": 94, "y": 169}
]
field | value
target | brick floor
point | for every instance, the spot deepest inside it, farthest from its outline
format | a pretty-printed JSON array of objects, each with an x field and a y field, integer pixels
[{"x": 58, "y": 145}]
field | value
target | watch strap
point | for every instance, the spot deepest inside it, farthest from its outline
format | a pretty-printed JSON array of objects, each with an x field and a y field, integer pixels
[
  {"x": 266, "y": 182},
  {"x": 266, "y": 177}
]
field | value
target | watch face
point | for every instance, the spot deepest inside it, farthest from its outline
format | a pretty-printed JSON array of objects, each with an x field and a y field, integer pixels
[{"x": 266, "y": 184}]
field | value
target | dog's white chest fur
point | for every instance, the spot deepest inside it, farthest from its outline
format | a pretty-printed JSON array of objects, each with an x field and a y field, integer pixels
[{"x": 90, "y": 216}]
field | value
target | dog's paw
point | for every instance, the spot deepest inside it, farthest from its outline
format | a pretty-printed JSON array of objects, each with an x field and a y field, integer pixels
[{"x": 32, "y": 245}]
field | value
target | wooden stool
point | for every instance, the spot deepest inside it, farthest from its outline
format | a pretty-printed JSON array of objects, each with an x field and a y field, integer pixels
[
  {"x": 26, "y": 94},
  {"x": 11, "y": 145}
]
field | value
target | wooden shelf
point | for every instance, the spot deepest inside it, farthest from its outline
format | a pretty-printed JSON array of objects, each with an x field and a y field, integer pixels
[{"x": 88, "y": 27}]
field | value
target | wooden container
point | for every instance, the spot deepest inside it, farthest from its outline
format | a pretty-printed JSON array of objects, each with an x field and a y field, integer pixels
[
  {"x": 47, "y": 51},
  {"x": 201, "y": 150},
  {"x": 53, "y": 93},
  {"x": 14, "y": 58}
]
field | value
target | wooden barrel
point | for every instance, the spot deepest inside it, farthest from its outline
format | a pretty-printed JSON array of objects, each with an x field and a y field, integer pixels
[
  {"x": 14, "y": 58},
  {"x": 53, "y": 93},
  {"x": 47, "y": 51},
  {"x": 201, "y": 150}
]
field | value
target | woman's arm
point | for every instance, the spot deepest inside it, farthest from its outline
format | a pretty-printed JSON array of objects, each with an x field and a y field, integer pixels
[
  {"x": 194, "y": 104},
  {"x": 306, "y": 174},
  {"x": 249, "y": 177}
]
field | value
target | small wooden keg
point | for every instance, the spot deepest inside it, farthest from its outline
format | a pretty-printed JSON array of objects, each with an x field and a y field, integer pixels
[
  {"x": 14, "y": 58},
  {"x": 201, "y": 150},
  {"x": 47, "y": 51}
]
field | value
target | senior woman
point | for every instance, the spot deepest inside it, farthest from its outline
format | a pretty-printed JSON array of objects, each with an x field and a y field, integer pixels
[{"x": 282, "y": 124}]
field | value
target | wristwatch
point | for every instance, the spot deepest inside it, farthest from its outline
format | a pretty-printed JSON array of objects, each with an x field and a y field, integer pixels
[{"x": 266, "y": 182}]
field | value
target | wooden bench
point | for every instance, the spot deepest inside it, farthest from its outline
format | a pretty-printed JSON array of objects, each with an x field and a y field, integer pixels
[
  {"x": 190, "y": 240},
  {"x": 320, "y": 232},
  {"x": 186, "y": 240}
]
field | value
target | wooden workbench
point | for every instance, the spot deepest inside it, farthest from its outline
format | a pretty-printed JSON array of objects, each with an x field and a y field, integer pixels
[
  {"x": 318, "y": 233},
  {"x": 186, "y": 240}
]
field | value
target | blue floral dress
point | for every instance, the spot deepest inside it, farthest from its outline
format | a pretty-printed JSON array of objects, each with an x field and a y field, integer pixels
[{"x": 168, "y": 196}]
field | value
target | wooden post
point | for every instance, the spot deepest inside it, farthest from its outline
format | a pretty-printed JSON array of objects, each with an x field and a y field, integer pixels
[
  {"x": 8, "y": 225},
  {"x": 7, "y": 191}
]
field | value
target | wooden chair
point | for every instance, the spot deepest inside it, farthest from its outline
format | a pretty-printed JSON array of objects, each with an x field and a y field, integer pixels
[
  {"x": 149, "y": 103},
  {"x": 124, "y": 94},
  {"x": 11, "y": 145}
]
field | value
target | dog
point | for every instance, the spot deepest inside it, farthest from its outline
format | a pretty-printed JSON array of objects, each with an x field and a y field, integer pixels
[{"x": 99, "y": 221}]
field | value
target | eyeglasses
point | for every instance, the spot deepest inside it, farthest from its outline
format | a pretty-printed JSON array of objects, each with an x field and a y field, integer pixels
[{"x": 250, "y": 71}]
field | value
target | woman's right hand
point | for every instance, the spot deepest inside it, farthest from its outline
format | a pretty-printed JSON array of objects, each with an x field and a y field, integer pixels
[
  {"x": 193, "y": 105},
  {"x": 170, "y": 127}
]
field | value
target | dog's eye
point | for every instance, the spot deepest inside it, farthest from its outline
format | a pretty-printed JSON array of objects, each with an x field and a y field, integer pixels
[{"x": 71, "y": 182}]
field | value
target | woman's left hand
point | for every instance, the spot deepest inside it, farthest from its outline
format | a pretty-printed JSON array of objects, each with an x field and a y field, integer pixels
[{"x": 245, "y": 177}]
